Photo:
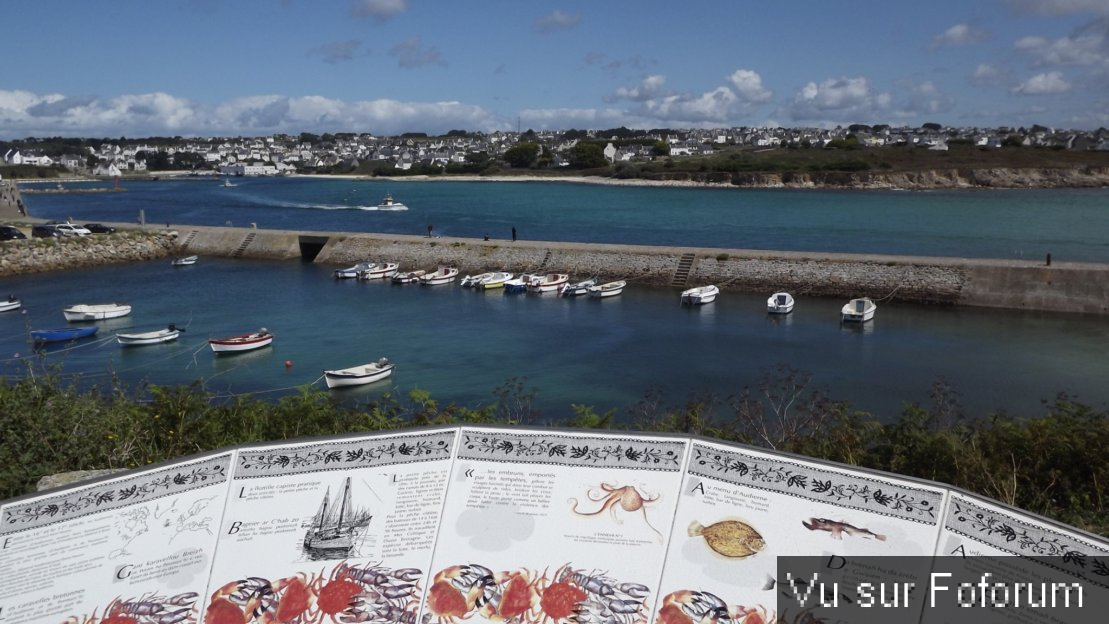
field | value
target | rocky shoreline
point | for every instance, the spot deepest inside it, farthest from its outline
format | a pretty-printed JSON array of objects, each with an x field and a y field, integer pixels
[
  {"x": 39, "y": 255},
  {"x": 924, "y": 180}
]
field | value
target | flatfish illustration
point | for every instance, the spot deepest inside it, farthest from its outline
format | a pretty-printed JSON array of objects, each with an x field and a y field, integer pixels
[
  {"x": 838, "y": 528},
  {"x": 730, "y": 538}
]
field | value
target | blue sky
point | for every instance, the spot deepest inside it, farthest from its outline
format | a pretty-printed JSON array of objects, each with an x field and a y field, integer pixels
[{"x": 258, "y": 67}]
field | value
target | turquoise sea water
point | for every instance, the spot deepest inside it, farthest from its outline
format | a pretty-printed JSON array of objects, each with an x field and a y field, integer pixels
[
  {"x": 1071, "y": 224},
  {"x": 461, "y": 345}
]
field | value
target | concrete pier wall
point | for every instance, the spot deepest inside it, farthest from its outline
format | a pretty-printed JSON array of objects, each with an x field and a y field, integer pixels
[
  {"x": 1024, "y": 285},
  {"x": 1011, "y": 284}
]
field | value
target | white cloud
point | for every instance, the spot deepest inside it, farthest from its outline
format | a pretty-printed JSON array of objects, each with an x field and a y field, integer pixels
[
  {"x": 1061, "y": 7},
  {"x": 713, "y": 106},
  {"x": 959, "y": 34},
  {"x": 1087, "y": 46},
  {"x": 151, "y": 114},
  {"x": 378, "y": 9},
  {"x": 650, "y": 87},
  {"x": 412, "y": 53},
  {"x": 748, "y": 86},
  {"x": 987, "y": 75},
  {"x": 555, "y": 21},
  {"x": 839, "y": 99},
  {"x": 1050, "y": 83}
]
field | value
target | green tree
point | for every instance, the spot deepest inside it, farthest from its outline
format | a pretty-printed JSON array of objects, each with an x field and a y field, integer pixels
[
  {"x": 522, "y": 155},
  {"x": 587, "y": 155},
  {"x": 660, "y": 148}
]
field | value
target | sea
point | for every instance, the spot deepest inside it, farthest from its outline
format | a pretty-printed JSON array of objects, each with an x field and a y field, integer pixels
[{"x": 466, "y": 347}]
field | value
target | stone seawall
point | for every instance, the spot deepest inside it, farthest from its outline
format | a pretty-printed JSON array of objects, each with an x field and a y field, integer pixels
[
  {"x": 36, "y": 255},
  {"x": 1011, "y": 284}
]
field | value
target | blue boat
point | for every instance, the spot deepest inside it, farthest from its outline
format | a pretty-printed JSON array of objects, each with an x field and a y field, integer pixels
[{"x": 63, "y": 334}]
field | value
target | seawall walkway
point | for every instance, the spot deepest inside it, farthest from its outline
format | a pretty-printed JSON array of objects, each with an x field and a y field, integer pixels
[{"x": 1010, "y": 284}]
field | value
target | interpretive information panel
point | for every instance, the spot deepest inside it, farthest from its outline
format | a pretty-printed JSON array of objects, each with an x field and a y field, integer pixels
[
  {"x": 740, "y": 510},
  {"x": 544, "y": 527},
  {"x": 1026, "y": 570},
  {"x": 137, "y": 549},
  {"x": 344, "y": 527},
  {"x": 534, "y": 526}
]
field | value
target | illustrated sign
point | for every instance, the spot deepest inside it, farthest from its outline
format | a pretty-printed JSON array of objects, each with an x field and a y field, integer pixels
[{"x": 531, "y": 526}]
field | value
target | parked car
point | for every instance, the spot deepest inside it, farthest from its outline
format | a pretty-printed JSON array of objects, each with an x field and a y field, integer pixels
[
  {"x": 8, "y": 232},
  {"x": 44, "y": 230},
  {"x": 71, "y": 229},
  {"x": 99, "y": 228}
]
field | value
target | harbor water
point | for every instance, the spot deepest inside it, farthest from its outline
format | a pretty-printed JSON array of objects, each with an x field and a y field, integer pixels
[{"x": 461, "y": 345}]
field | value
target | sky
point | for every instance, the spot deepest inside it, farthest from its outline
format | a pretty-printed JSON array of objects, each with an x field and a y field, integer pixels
[{"x": 201, "y": 68}]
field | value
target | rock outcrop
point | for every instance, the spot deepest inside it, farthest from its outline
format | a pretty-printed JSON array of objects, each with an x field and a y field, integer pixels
[{"x": 36, "y": 255}]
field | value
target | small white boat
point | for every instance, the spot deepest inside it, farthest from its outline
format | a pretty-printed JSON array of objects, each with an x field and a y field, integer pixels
[
  {"x": 858, "y": 310},
  {"x": 241, "y": 343},
  {"x": 358, "y": 375},
  {"x": 388, "y": 203},
  {"x": 352, "y": 272},
  {"x": 472, "y": 280},
  {"x": 495, "y": 280},
  {"x": 96, "y": 312},
  {"x": 518, "y": 284},
  {"x": 700, "y": 295},
  {"x": 611, "y": 289},
  {"x": 780, "y": 303},
  {"x": 577, "y": 289},
  {"x": 228, "y": 184},
  {"x": 409, "y": 277},
  {"x": 186, "y": 261},
  {"x": 548, "y": 283},
  {"x": 443, "y": 275},
  {"x": 151, "y": 337},
  {"x": 11, "y": 304},
  {"x": 383, "y": 270}
]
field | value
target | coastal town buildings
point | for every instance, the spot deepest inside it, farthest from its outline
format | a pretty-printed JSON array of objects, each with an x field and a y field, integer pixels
[{"x": 286, "y": 154}]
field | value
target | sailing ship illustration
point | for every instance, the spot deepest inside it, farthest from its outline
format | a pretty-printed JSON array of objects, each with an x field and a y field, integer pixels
[{"x": 332, "y": 532}]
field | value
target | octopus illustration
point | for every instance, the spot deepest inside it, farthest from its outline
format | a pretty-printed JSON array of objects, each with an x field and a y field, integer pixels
[{"x": 627, "y": 497}]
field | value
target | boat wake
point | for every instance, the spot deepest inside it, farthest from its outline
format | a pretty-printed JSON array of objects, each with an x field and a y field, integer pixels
[{"x": 309, "y": 206}]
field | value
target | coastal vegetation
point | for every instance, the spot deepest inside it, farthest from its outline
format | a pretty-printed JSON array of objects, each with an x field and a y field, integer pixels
[{"x": 1049, "y": 460}]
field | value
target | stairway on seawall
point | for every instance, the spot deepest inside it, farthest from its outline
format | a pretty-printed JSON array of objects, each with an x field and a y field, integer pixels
[{"x": 681, "y": 275}]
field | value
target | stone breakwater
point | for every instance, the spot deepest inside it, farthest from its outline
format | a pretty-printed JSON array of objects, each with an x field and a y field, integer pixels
[
  {"x": 1010, "y": 284},
  {"x": 36, "y": 255},
  {"x": 735, "y": 270}
]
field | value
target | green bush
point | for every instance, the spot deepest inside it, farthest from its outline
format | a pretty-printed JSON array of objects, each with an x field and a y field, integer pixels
[{"x": 1049, "y": 462}]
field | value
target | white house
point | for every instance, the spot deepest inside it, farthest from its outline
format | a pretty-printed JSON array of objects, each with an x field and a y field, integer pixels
[
  {"x": 107, "y": 168},
  {"x": 610, "y": 152}
]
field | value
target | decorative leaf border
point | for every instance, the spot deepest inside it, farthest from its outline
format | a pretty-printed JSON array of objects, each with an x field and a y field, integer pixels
[
  {"x": 573, "y": 451},
  {"x": 345, "y": 455},
  {"x": 83, "y": 501},
  {"x": 807, "y": 482},
  {"x": 1009, "y": 533}
]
